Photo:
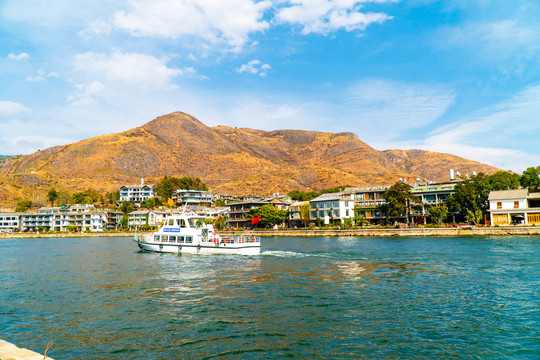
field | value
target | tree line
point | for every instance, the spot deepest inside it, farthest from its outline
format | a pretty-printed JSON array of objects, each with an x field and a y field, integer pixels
[{"x": 164, "y": 190}]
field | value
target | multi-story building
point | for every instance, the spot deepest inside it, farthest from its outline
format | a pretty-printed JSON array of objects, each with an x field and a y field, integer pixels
[
  {"x": 80, "y": 221},
  {"x": 136, "y": 193},
  {"x": 36, "y": 221},
  {"x": 140, "y": 218},
  {"x": 332, "y": 207},
  {"x": 192, "y": 197},
  {"x": 238, "y": 210},
  {"x": 514, "y": 207},
  {"x": 295, "y": 216},
  {"x": 9, "y": 222},
  {"x": 113, "y": 219},
  {"x": 432, "y": 194},
  {"x": 368, "y": 202}
]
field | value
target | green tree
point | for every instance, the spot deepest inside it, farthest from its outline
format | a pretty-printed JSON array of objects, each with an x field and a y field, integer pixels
[
  {"x": 220, "y": 203},
  {"x": 151, "y": 203},
  {"x": 124, "y": 221},
  {"x": 52, "y": 196},
  {"x": 113, "y": 197},
  {"x": 305, "y": 213},
  {"x": 64, "y": 198},
  {"x": 504, "y": 180},
  {"x": 165, "y": 188},
  {"x": 471, "y": 194},
  {"x": 474, "y": 216},
  {"x": 81, "y": 198},
  {"x": 220, "y": 223},
  {"x": 438, "y": 213},
  {"x": 94, "y": 196},
  {"x": 531, "y": 179},
  {"x": 399, "y": 200},
  {"x": 23, "y": 205},
  {"x": 125, "y": 207},
  {"x": 270, "y": 216}
]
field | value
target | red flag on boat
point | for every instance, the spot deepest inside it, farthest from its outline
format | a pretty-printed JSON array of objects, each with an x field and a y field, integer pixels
[{"x": 256, "y": 220}]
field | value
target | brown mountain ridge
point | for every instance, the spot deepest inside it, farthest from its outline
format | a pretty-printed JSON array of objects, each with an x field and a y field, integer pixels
[{"x": 227, "y": 159}]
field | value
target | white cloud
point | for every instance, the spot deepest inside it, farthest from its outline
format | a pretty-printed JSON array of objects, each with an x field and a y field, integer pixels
[
  {"x": 96, "y": 28},
  {"x": 395, "y": 107},
  {"x": 216, "y": 21},
  {"x": 324, "y": 16},
  {"x": 134, "y": 69},
  {"x": 511, "y": 45},
  {"x": 20, "y": 57},
  {"x": 85, "y": 95},
  {"x": 41, "y": 76},
  {"x": 505, "y": 136},
  {"x": 10, "y": 109},
  {"x": 255, "y": 67}
]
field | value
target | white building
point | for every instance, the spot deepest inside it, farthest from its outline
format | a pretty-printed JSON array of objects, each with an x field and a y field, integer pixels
[
  {"x": 334, "y": 206},
  {"x": 9, "y": 222},
  {"x": 514, "y": 207},
  {"x": 192, "y": 197},
  {"x": 136, "y": 193}
]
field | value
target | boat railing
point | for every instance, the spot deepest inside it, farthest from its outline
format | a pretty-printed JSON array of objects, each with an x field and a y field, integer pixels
[{"x": 240, "y": 239}]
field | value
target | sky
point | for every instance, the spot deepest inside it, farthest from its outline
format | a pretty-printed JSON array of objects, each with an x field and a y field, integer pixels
[{"x": 453, "y": 76}]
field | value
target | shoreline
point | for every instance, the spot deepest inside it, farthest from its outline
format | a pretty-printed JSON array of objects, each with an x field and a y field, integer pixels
[{"x": 435, "y": 232}]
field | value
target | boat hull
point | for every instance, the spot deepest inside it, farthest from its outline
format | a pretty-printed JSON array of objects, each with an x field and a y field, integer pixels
[{"x": 241, "y": 249}]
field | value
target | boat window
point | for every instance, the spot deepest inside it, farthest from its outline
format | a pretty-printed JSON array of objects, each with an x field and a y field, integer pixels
[
  {"x": 171, "y": 222},
  {"x": 156, "y": 237},
  {"x": 164, "y": 238},
  {"x": 181, "y": 239},
  {"x": 196, "y": 223},
  {"x": 172, "y": 238},
  {"x": 189, "y": 239},
  {"x": 182, "y": 223}
]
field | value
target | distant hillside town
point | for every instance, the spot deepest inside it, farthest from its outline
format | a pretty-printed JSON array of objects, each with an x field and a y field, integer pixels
[{"x": 500, "y": 199}]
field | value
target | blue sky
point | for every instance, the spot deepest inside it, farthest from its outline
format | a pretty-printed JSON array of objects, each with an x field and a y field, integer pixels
[{"x": 460, "y": 76}]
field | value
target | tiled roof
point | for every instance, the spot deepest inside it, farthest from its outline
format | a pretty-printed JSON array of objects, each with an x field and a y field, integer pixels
[{"x": 508, "y": 194}]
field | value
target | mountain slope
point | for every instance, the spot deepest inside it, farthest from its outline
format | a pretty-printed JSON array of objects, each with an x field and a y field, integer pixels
[{"x": 229, "y": 160}]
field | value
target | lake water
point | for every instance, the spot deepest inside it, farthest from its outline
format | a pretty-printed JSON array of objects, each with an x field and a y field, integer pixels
[{"x": 302, "y": 298}]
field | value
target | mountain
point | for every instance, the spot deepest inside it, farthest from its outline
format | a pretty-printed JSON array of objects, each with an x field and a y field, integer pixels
[{"x": 227, "y": 159}]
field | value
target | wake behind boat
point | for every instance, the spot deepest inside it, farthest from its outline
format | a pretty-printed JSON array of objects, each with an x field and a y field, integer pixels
[{"x": 188, "y": 233}]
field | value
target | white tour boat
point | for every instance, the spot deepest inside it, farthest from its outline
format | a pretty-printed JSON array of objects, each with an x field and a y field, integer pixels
[{"x": 188, "y": 233}]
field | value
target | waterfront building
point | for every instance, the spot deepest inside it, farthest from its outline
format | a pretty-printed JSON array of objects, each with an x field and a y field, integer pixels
[
  {"x": 431, "y": 194},
  {"x": 9, "y": 221},
  {"x": 136, "y": 193},
  {"x": 36, "y": 221},
  {"x": 514, "y": 207},
  {"x": 113, "y": 219},
  {"x": 192, "y": 197},
  {"x": 368, "y": 201},
  {"x": 226, "y": 198},
  {"x": 79, "y": 221},
  {"x": 138, "y": 219},
  {"x": 280, "y": 202},
  {"x": 332, "y": 207},
  {"x": 238, "y": 210},
  {"x": 295, "y": 216}
]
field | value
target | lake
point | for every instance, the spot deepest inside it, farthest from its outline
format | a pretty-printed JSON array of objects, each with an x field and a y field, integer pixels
[{"x": 301, "y": 298}]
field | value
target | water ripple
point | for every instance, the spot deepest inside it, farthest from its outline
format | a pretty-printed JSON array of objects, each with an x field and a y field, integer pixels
[{"x": 376, "y": 298}]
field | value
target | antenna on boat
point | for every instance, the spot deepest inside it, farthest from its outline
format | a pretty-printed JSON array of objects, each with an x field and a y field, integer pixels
[{"x": 184, "y": 209}]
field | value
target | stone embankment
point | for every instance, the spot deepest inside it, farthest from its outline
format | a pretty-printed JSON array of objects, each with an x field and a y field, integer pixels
[
  {"x": 8, "y": 351},
  {"x": 65, "y": 235},
  {"x": 450, "y": 231}
]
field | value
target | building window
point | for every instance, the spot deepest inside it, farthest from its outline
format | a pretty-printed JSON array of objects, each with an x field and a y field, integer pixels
[
  {"x": 516, "y": 204},
  {"x": 499, "y": 204}
]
